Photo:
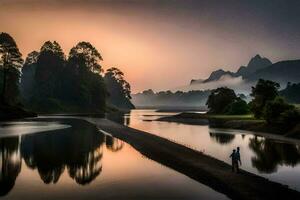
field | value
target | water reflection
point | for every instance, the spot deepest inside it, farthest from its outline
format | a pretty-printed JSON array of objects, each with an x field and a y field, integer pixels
[
  {"x": 10, "y": 163},
  {"x": 222, "y": 138},
  {"x": 113, "y": 144},
  {"x": 78, "y": 150},
  {"x": 274, "y": 159},
  {"x": 269, "y": 154}
]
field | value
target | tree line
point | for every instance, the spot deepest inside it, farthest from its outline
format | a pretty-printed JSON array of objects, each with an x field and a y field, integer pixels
[
  {"x": 50, "y": 81},
  {"x": 266, "y": 104}
]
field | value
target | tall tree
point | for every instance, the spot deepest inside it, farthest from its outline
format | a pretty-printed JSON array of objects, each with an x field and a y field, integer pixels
[
  {"x": 83, "y": 81},
  {"x": 50, "y": 64},
  {"x": 118, "y": 88},
  {"x": 88, "y": 54},
  {"x": 219, "y": 100},
  {"x": 28, "y": 75},
  {"x": 263, "y": 92},
  {"x": 10, "y": 61}
]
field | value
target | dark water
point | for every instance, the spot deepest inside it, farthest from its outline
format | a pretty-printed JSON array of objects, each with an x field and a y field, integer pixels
[
  {"x": 70, "y": 159},
  {"x": 269, "y": 157}
]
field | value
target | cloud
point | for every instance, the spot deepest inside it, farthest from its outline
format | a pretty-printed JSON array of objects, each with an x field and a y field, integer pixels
[{"x": 235, "y": 83}]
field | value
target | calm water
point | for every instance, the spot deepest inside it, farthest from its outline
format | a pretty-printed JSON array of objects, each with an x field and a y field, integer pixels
[
  {"x": 70, "y": 159},
  {"x": 271, "y": 158}
]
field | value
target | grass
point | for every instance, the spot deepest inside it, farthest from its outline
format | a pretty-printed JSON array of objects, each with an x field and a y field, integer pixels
[
  {"x": 214, "y": 116},
  {"x": 249, "y": 116}
]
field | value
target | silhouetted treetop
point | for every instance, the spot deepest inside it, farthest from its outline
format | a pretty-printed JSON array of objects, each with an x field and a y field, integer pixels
[
  {"x": 10, "y": 62},
  {"x": 89, "y": 54},
  {"x": 31, "y": 58},
  {"x": 118, "y": 76},
  {"x": 53, "y": 47},
  {"x": 118, "y": 88},
  {"x": 8, "y": 47}
]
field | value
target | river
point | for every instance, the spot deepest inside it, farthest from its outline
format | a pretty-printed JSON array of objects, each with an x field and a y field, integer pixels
[
  {"x": 52, "y": 158},
  {"x": 274, "y": 159}
]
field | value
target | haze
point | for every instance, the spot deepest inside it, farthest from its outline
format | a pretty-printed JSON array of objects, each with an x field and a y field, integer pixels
[{"x": 160, "y": 44}]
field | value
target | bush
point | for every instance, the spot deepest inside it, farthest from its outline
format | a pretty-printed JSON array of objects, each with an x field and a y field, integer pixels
[
  {"x": 262, "y": 93},
  {"x": 239, "y": 107},
  {"x": 290, "y": 117},
  {"x": 280, "y": 112},
  {"x": 220, "y": 99}
]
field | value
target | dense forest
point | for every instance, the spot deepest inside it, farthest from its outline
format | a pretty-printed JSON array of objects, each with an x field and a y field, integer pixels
[{"x": 50, "y": 81}]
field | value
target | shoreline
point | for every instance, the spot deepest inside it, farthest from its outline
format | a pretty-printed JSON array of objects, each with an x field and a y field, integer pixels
[
  {"x": 8, "y": 113},
  {"x": 198, "y": 166},
  {"x": 232, "y": 122}
]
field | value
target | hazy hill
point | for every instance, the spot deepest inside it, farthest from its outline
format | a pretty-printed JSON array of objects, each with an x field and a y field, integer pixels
[
  {"x": 281, "y": 72},
  {"x": 255, "y": 63},
  {"x": 291, "y": 93}
]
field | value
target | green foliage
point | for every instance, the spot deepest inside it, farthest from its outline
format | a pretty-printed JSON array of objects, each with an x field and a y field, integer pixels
[
  {"x": 280, "y": 112},
  {"x": 219, "y": 100},
  {"x": 239, "y": 107},
  {"x": 263, "y": 92},
  {"x": 10, "y": 63},
  {"x": 118, "y": 89}
]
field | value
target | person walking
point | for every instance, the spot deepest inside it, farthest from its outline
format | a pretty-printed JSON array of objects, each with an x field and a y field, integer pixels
[
  {"x": 238, "y": 158},
  {"x": 233, "y": 157}
]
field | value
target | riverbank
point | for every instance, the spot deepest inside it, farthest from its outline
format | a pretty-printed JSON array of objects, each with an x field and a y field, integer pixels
[
  {"x": 243, "y": 122},
  {"x": 203, "y": 168},
  {"x": 13, "y": 112}
]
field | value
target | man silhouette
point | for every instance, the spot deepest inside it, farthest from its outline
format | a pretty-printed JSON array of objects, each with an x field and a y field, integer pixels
[
  {"x": 238, "y": 158},
  {"x": 234, "y": 161}
]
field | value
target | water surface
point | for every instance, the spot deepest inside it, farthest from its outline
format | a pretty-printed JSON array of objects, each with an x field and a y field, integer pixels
[
  {"x": 271, "y": 158},
  {"x": 71, "y": 159}
]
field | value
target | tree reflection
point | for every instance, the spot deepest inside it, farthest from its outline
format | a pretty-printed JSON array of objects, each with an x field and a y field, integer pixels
[
  {"x": 269, "y": 154},
  {"x": 78, "y": 150},
  {"x": 10, "y": 163},
  {"x": 113, "y": 144},
  {"x": 222, "y": 138}
]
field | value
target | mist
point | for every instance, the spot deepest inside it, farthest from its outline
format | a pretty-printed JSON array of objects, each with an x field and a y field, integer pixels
[{"x": 238, "y": 84}]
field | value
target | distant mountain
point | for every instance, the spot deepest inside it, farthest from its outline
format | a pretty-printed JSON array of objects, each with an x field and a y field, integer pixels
[
  {"x": 281, "y": 72},
  {"x": 216, "y": 75},
  {"x": 256, "y": 63},
  {"x": 291, "y": 93}
]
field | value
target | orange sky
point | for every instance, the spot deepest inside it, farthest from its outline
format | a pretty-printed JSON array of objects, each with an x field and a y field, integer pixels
[{"x": 156, "y": 48}]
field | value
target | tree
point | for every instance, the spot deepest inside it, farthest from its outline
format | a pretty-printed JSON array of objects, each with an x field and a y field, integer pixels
[
  {"x": 50, "y": 63},
  {"x": 238, "y": 107},
  {"x": 88, "y": 54},
  {"x": 219, "y": 100},
  {"x": 10, "y": 61},
  {"x": 28, "y": 74},
  {"x": 263, "y": 92},
  {"x": 118, "y": 88},
  {"x": 83, "y": 83},
  {"x": 280, "y": 112}
]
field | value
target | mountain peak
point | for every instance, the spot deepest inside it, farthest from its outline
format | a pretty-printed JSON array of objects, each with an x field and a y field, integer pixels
[
  {"x": 257, "y": 56},
  {"x": 257, "y": 62}
]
